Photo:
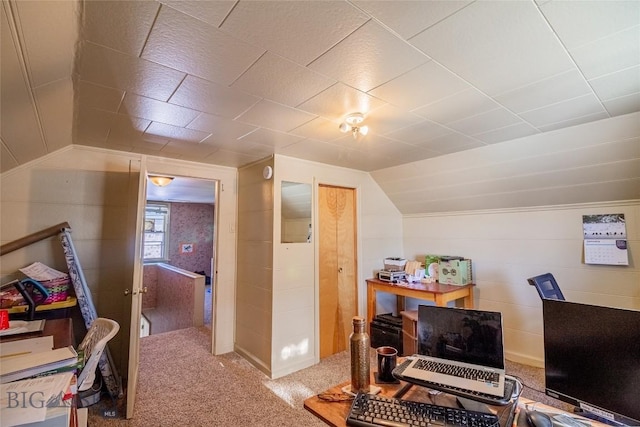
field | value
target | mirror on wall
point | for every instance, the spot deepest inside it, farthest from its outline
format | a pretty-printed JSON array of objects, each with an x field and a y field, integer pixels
[{"x": 295, "y": 206}]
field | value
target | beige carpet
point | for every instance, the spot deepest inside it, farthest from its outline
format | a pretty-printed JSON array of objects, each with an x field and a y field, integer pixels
[{"x": 181, "y": 384}]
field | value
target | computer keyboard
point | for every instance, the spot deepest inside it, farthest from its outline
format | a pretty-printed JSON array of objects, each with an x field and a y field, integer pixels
[
  {"x": 511, "y": 388},
  {"x": 370, "y": 411},
  {"x": 458, "y": 371}
]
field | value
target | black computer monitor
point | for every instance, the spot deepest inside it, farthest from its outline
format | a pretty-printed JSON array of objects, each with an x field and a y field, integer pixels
[{"x": 592, "y": 359}]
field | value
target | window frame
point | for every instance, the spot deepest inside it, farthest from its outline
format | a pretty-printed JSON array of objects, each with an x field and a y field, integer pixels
[{"x": 159, "y": 207}]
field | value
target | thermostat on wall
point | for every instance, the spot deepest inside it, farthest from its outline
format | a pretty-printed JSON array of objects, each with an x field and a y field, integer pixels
[{"x": 267, "y": 172}]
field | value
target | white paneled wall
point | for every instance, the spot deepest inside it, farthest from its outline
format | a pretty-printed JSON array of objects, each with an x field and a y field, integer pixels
[
  {"x": 507, "y": 247},
  {"x": 295, "y": 287},
  {"x": 92, "y": 190},
  {"x": 254, "y": 267}
]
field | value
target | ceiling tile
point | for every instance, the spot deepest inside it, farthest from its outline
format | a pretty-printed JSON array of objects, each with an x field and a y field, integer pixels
[
  {"x": 376, "y": 56},
  {"x": 389, "y": 118},
  {"x": 231, "y": 158},
  {"x": 580, "y": 22},
  {"x": 187, "y": 44},
  {"x": 55, "y": 107},
  {"x": 565, "y": 110},
  {"x": 275, "y": 116},
  {"x": 126, "y": 130},
  {"x": 175, "y": 133},
  {"x": 100, "y": 97},
  {"x": 220, "y": 128},
  {"x": 507, "y": 133},
  {"x": 211, "y": 12},
  {"x": 18, "y": 123},
  {"x": 484, "y": 122},
  {"x": 618, "y": 51},
  {"x": 49, "y": 34},
  {"x": 271, "y": 138},
  {"x": 340, "y": 100},
  {"x": 557, "y": 88},
  {"x": 156, "y": 111},
  {"x": 311, "y": 26},
  {"x": 202, "y": 95},
  {"x": 572, "y": 122},
  {"x": 319, "y": 128},
  {"x": 7, "y": 161},
  {"x": 93, "y": 124},
  {"x": 518, "y": 47},
  {"x": 420, "y": 133},
  {"x": 107, "y": 67},
  {"x": 281, "y": 80},
  {"x": 319, "y": 151},
  {"x": 120, "y": 25},
  {"x": 452, "y": 143},
  {"x": 421, "y": 86},
  {"x": 188, "y": 150},
  {"x": 408, "y": 18},
  {"x": 623, "y": 105},
  {"x": 618, "y": 84},
  {"x": 458, "y": 106}
]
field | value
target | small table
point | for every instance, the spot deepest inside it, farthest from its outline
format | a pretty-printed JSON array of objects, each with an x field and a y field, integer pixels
[{"x": 439, "y": 293}]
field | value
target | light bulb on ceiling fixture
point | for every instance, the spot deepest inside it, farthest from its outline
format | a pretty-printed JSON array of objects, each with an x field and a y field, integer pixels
[
  {"x": 352, "y": 123},
  {"x": 160, "y": 181}
]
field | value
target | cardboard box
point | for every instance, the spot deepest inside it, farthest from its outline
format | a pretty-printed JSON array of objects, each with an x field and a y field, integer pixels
[{"x": 455, "y": 272}]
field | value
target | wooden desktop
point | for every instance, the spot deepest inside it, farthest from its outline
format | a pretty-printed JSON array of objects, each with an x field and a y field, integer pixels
[
  {"x": 329, "y": 408},
  {"x": 439, "y": 293},
  {"x": 332, "y": 407}
]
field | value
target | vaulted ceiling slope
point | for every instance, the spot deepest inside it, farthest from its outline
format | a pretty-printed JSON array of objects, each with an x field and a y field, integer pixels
[{"x": 231, "y": 82}]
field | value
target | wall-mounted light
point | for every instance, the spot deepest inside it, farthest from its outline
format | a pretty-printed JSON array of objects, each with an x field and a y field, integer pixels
[
  {"x": 353, "y": 123},
  {"x": 160, "y": 181}
]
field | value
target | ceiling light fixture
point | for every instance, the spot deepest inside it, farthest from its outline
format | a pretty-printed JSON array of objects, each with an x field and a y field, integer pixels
[
  {"x": 353, "y": 123},
  {"x": 160, "y": 181}
]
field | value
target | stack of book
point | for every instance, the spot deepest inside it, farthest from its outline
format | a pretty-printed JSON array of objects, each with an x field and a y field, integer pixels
[{"x": 37, "y": 384}]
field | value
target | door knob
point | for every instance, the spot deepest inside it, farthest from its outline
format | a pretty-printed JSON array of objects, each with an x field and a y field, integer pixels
[{"x": 340, "y": 270}]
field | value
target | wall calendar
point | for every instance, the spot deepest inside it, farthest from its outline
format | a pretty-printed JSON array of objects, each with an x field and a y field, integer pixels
[{"x": 605, "y": 239}]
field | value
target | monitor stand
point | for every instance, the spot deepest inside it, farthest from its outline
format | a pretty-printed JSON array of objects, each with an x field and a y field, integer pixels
[{"x": 592, "y": 416}]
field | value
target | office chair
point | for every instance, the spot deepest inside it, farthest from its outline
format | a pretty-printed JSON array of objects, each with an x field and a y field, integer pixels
[
  {"x": 93, "y": 344},
  {"x": 546, "y": 286}
]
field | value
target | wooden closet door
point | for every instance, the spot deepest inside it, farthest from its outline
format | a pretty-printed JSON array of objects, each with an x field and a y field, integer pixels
[{"x": 338, "y": 272}]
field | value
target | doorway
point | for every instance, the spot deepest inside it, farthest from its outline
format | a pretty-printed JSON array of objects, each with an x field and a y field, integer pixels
[
  {"x": 179, "y": 232},
  {"x": 338, "y": 267}
]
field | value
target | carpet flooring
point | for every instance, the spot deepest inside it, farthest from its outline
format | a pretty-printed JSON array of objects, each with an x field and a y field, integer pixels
[{"x": 181, "y": 384}]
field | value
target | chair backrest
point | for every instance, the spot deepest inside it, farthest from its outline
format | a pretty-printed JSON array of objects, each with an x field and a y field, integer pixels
[
  {"x": 546, "y": 286},
  {"x": 93, "y": 344}
]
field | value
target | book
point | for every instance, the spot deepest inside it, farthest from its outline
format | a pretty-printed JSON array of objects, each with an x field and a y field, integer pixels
[
  {"x": 21, "y": 347},
  {"x": 38, "y": 401},
  {"x": 34, "y": 364}
]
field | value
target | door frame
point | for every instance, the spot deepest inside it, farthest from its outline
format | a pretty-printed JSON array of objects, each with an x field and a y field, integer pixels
[{"x": 138, "y": 273}]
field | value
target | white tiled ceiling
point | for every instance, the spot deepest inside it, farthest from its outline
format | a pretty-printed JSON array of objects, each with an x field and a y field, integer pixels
[{"x": 230, "y": 82}]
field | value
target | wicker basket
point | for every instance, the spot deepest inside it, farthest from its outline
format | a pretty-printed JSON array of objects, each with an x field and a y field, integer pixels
[{"x": 58, "y": 289}]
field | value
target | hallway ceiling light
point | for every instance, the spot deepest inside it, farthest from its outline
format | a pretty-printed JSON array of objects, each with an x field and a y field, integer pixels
[
  {"x": 353, "y": 123},
  {"x": 160, "y": 181}
]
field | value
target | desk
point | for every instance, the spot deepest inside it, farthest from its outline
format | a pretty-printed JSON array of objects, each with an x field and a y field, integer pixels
[
  {"x": 436, "y": 292},
  {"x": 60, "y": 329},
  {"x": 335, "y": 413}
]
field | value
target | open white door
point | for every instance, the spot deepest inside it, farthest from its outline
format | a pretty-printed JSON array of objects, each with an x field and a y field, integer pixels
[{"x": 136, "y": 299}]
